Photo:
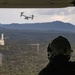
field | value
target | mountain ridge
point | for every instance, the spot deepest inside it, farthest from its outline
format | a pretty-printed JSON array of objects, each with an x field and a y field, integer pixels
[{"x": 55, "y": 25}]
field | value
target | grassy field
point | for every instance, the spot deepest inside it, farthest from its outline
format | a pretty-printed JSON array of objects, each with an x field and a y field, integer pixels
[{"x": 23, "y": 59}]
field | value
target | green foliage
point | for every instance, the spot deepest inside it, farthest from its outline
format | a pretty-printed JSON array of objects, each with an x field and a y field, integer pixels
[{"x": 22, "y": 59}]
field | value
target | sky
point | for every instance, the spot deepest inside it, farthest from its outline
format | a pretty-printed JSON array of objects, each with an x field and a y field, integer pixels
[{"x": 8, "y": 16}]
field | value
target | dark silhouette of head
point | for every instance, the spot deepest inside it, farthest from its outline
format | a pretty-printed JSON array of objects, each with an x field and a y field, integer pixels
[{"x": 59, "y": 49}]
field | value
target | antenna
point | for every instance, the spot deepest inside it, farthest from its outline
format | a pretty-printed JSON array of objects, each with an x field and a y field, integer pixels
[
  {"x": 2, "y": 39},
  {"x": 37, "y": 44},
  {"x": 2, "y": 36}
]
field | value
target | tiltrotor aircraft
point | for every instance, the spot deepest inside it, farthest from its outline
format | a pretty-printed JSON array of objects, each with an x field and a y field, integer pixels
[{"x": 26, "y": 17}]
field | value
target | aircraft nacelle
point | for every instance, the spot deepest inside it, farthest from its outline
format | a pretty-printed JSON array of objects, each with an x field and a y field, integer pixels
[{"x": 36, "y": 3}]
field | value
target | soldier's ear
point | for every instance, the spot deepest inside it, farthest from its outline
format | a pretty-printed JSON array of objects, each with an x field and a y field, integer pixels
[
  {"x": 49, "y": 48},
  {"x": 71, "y": 50}
]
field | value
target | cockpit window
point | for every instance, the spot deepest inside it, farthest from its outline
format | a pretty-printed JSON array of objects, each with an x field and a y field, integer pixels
[{"x": 26, "y": 33}]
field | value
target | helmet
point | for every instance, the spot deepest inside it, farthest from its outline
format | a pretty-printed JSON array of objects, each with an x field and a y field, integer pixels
[{"x": 59, "y": 46}]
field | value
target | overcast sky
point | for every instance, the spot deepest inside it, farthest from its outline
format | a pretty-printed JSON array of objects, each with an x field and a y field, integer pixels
[{"x": 8, "y": 16}]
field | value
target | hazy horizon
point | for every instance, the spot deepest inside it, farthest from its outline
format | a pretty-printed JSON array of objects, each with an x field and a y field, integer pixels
[{"x": 36, "y": 23}]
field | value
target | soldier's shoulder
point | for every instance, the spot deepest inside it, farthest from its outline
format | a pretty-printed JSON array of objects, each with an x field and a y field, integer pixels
[
  {"x": 42, "y": 72},
  {"x": 72, "y": 65},
  {"x": 45, "y": 70},
  {"x": 72, "y": 62}
]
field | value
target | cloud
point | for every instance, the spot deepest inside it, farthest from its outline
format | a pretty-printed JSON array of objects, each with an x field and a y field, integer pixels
[
  {"x": 69, "y": 19},
  {"x": 58, "y": 11}
]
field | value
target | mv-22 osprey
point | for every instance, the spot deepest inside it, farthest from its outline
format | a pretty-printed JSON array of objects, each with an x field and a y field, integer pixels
[{"x": 26, "y": 17}]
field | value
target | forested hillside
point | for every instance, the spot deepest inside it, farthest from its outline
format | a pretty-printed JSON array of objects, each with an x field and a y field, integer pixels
[{"x": 25, "y": 51}]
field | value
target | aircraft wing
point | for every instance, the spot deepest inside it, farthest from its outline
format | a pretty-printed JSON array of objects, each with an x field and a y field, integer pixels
[{"x": 36, "y": 3}]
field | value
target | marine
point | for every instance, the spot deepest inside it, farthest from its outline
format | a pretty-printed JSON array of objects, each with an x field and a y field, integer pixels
[{"x": 59, "y": 54}]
